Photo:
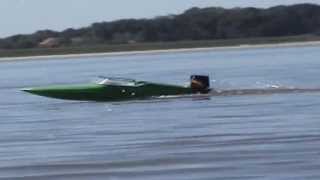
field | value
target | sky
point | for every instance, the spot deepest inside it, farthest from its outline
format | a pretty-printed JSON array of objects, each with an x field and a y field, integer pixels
[{"x": 28, "y": 16}]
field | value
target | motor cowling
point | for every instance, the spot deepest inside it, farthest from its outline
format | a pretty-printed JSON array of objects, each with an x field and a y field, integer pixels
[{"x": 200, "y": 84}]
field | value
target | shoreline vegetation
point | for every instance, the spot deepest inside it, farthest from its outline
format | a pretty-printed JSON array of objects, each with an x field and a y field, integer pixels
[
  {"x": 196, "y": 28},
  {"x": 156, "y": 48}
]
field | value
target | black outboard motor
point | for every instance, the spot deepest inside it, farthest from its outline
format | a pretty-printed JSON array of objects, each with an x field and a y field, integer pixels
[{"x": 200, "y": 84}]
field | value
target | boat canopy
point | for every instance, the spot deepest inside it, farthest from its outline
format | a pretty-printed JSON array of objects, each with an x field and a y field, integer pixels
[{"x": 118, "y": 81}]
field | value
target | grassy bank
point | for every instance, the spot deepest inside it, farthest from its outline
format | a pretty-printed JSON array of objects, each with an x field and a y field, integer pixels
[{"x": 153, "y": 46}]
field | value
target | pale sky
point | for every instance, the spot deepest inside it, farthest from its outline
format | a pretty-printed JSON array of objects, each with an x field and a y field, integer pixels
[{"x": 28, "y": 16}]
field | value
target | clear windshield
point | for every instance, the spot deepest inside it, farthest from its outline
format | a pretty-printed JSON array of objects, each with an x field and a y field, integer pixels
[{"x": 117, "y": 81}]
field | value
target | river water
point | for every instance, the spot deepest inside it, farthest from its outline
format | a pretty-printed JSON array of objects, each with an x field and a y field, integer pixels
[{"x": 232, "y": 136}]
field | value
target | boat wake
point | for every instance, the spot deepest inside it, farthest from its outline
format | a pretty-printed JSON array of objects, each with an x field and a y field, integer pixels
[
  {"x": 246, "y": 92},
  {"x": 229, "y": 93},
  {"x": 268, "y": 91}
]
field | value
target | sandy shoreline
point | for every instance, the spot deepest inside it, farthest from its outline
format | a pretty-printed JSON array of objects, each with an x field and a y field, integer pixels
[{"x": 127, "y": 53}]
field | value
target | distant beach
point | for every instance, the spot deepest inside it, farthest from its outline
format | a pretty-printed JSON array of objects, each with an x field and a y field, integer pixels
[{"x": 178, "y": 50}]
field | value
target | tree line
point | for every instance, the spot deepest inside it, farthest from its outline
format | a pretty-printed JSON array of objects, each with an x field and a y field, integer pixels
[{"x": 194, "y": 24}]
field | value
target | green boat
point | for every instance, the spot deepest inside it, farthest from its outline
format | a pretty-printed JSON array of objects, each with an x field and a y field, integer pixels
[{"x": 120, "y": 89}]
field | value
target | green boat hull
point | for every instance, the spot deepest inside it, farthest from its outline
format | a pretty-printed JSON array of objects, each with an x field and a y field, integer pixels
[{"x": 100, "y": 92}]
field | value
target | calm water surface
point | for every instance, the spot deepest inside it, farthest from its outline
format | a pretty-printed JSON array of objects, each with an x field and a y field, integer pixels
[{"x": 267, "y": 136}]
